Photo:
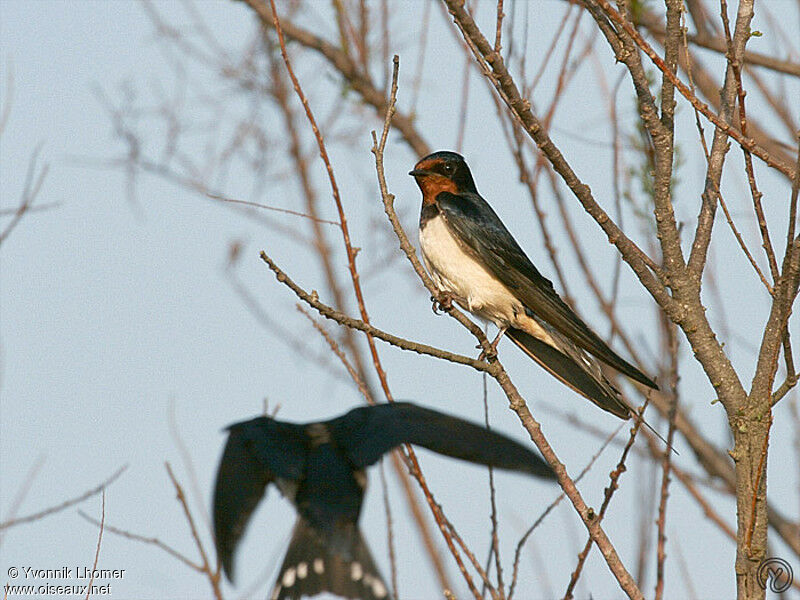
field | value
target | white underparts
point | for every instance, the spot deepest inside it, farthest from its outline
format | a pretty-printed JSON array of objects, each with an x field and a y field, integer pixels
[{"x": 474, "y": 288}]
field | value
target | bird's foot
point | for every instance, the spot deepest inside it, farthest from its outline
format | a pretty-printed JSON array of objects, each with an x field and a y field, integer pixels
[
  {"x": 488, "y": 354},
  {"x": 444, "y": 303},
  {"x": 491, "y": 352}
]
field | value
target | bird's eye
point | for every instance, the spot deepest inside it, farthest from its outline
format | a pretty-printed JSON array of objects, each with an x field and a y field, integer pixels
[{"x": 448, "y": 168}]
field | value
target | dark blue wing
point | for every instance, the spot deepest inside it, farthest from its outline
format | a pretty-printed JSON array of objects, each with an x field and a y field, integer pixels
[
  {"x": 257, "y": 452},
  {"x": 477, "y": 225},
  {"x": 365, "y": 434}
]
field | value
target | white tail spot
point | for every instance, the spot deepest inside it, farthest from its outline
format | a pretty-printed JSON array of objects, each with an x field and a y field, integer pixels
[
  {"x": 319, "y": 566},
  {"x": 302, "y": 570},
  {"x": 379, "y": 589},
  {"x": 288, "y": 577},
  {"x": 356, "y": 572}
]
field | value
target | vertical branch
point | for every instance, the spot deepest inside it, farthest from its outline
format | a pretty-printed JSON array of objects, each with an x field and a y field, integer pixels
[
  {"x": 99, "y": 541},
  {"x": 498, "y": 31},
  {"x": 387, "y": 507},
  {"x": 211, "y": 574},
  {"x": 320, "y": 237},
  {"x": 719, "y": 146},
  {"x": 495, "y": 546},
  {"x": 516, "y": 401},
  {"x": 671, "y": 344},
  {"x": 608, "y": 494},
  {"x": 756, "y": 195}
]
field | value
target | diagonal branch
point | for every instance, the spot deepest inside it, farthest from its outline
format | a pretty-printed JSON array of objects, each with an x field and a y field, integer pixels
[
  {"x": 516, "y": 401},
  {"x": 722, "y": 124},
  {"x": 345, "y": 65},
  {"x": 328, "y": 312},
  {"x": 608, "y": 493},
  {"x": 355, "y": 278},
  {"x": 495, "y": 69},
  {"x": 66, "y": 504}
]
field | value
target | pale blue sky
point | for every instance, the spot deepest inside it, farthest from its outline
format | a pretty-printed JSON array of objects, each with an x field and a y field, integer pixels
[{"x": 110, "y": 314}]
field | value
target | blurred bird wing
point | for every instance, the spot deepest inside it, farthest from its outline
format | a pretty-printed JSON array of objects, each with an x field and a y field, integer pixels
[
  {"x": 256, "y": 453},
  {"x": 481, "y": 230},
  {"x": 365, "y": 434}
]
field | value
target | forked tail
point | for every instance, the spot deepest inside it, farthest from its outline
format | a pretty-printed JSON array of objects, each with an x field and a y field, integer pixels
[{"x": 315, "y": 563}]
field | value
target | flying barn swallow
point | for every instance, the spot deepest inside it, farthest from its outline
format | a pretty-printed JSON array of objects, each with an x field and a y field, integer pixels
[
  {"x": 320, "y": 468},
  {"x": 474, "y": 260}
]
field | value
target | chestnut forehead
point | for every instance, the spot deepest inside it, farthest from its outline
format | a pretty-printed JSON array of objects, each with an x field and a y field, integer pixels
[{"x": 429, "y": 164}]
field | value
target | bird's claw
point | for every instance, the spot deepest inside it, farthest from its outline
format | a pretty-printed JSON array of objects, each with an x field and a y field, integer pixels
[
  {"x": 487, "y": 354},
  {"x": 491, "y": 352},
  {"x": 444, "y": 303}
]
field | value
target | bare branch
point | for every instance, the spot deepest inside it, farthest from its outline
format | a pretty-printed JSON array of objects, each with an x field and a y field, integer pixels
[
  {"x": 745, "y": 142},
  {"x": 33, "y": 183},
  {"x": 213, "y": 574},
  {"x": 516, "y": 402},
  {"x": 99, "y": 540},
  {"x": 66, "y": 504},
  {"x": 152, "y": 541},
  {"x": 275, "y": 208},
  {"x": 608, "y": 494}
]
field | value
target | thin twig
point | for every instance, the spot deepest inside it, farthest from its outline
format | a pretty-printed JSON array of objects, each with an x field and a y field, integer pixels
[
  {"x": 188, "y": 463},
  {"x": 552, "y": 505},
  {"x": 213, "y": 575},
  {"x": 745, "y": 142},
  {"x": 7, "y": 212},
  {"x": 66, "y": 504},
  {"x": 672, "y": 348},
  {"x": 495, "y": 545},
  {"x": 423, "y": 41},
  {"x": 354, "y": 275},
  {"x": 33, "y": 183},
  {"x": 498, "y": 31},
  {"x": 488, "y": 586},
  {"x": 9, "y": 101},
  {"x": 362, "y": 387},
  {"x": 748, "y": 159},
  {"x": 99, "y": 540},
  {"x": 516, "y": 401},
  {"x": 152, "y": 541},
  {"x": 275, "y": 208},
  {"x": 387, "y": 508},
  {"x": 22, "y": 492},
  {"x": 335, "y": 315},
  {"x": 608, "y": 494}
]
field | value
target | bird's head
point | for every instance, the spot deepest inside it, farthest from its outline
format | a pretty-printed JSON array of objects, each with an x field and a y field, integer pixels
[{"x": 442, "y": 172}]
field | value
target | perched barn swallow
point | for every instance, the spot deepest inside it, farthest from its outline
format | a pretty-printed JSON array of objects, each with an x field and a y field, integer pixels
[
  {"x": 473, "y": 259},
  {"x": 320, "y": 468}
]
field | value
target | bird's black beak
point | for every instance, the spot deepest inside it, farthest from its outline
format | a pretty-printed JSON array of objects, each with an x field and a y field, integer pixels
[{"x": 419, "y": 173}]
